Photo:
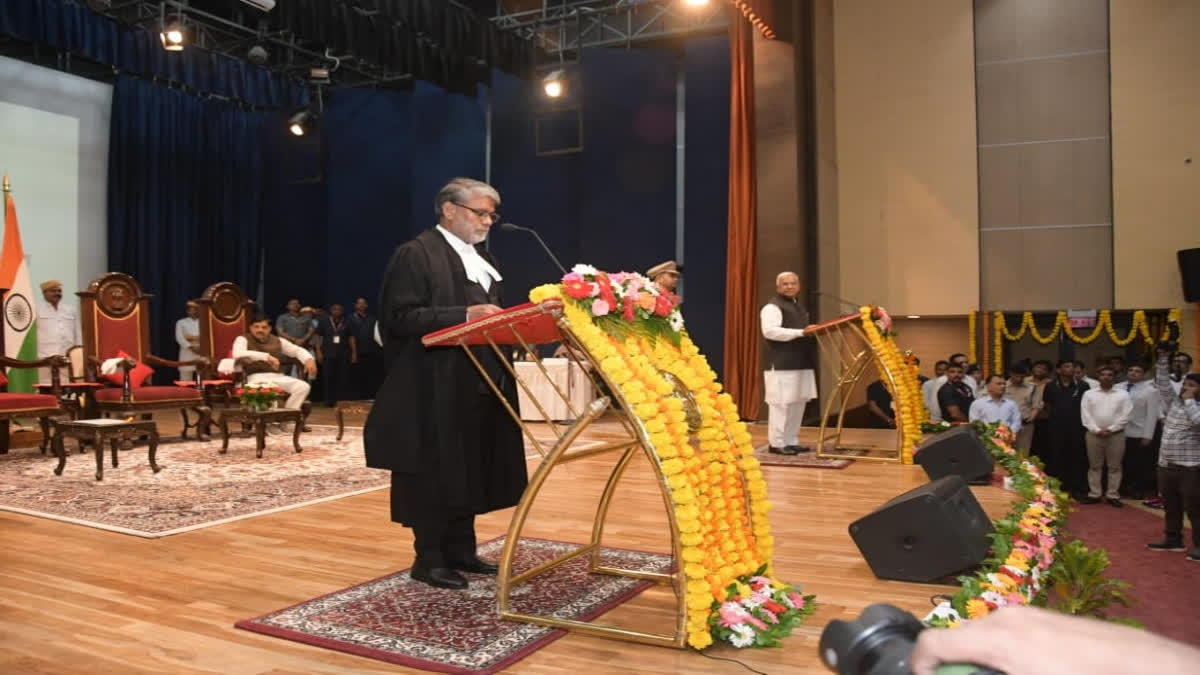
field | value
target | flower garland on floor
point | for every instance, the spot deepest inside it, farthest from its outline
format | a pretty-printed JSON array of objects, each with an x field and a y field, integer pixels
[
  {"x": 908, "y": 399},
  {"x": 1024, "y": 544},
  {"x": 717, "y": 491}
]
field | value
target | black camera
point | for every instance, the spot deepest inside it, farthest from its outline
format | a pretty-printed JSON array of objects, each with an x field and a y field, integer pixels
[{"x": 879, "y": 642}]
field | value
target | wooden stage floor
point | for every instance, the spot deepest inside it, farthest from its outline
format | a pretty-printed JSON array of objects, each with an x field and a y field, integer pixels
[{"x": 76, "y": 599}]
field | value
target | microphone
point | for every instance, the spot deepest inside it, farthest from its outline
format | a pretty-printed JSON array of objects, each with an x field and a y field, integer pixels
[
  {"x": 831, "y": 296},
  {"x": 509, "y": 227}
]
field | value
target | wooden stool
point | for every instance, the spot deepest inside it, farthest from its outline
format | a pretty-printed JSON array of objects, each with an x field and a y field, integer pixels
[{"x": 99, "y": 431}]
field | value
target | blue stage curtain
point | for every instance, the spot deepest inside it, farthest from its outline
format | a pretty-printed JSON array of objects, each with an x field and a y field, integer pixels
[
  {"x": 64, "y": 25},
  {"x": 185, "y": 197}
]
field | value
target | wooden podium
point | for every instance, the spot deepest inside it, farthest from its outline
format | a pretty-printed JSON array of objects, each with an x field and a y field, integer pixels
[
  {"x": 847, "y": 350},
  {"x": 525, "y": 327}
]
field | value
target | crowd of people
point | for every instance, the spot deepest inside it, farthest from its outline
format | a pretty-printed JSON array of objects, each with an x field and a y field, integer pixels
[{"x": 1132, "y": 430}]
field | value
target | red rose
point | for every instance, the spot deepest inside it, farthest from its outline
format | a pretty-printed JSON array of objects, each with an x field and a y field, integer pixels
[
  {"x": 627, "y": 310},
  {"x": 774, "y": 607},
  {"x": 239, "y": 391},
  {"x": 662, "y": 306}
]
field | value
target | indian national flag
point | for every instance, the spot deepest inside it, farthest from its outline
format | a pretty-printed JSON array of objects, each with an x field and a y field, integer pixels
[{"x": 20, "y": 324}]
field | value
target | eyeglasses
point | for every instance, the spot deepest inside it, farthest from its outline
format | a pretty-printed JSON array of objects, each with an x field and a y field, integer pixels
[{"x": 490, "y": 215}]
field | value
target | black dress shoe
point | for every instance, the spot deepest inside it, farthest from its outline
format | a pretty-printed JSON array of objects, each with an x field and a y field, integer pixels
[
  {"x": 442, "y": 577},
  {"x": 1088, "y": 500},
  {"x": 795, "y": 449},
  {"x": 786, "y": 450},
  {"x": 475, "y": 566},
  {"x": 1112, "y": 501}
]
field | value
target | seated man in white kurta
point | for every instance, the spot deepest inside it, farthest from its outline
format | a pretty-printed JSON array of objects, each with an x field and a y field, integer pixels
[
  {"x": 787, "y": 365},
  {"x": 259, "y": 352}
]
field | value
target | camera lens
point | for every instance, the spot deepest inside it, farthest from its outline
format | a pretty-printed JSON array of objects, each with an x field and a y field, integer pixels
[{"x": 878, "y": 642}]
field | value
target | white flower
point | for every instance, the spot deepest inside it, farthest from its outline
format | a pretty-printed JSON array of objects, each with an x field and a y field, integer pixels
[
  {"x": 743, "y": 636},
  {"x": 755, "y": 600},
  {"x": 994, "y": 598},
  {"x": 585, "y": 269},
  {"x": 675, "y": 319},
  {"x": 943, "y": 611}
]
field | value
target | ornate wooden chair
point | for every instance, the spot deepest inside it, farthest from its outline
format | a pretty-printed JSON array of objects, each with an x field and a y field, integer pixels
[
  {"x": 116, "y": 318},
  {"x": 226, "y": 312},
  {"x": 40, "y": 406}
]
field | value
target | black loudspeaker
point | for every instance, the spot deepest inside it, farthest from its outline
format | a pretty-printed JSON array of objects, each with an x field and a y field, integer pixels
[
  {"x": 1189, "y": 273},
  {"x": 957, "y": 452},
  {"x": 925, "y": 534}
]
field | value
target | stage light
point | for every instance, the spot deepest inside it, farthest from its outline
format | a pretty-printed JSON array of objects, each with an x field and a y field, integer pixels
[
  {"x": 300, "y": 123},
  {"x": 554, "y": 84},
  {"x": 696, "y": 3},
  {"x": 172, "y": 37},
  {"x": 913, "y": 316}
]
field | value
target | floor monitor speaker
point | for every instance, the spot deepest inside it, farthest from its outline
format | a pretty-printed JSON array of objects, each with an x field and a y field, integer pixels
[
  {"x": 925, "y": 534},
  {"x": 958, "y": 452}
]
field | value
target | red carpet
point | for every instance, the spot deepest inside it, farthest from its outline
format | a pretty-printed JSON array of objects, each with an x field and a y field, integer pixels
[
  {"x": 1165, "y": 585},
  {"x": 398, "y": 620}
]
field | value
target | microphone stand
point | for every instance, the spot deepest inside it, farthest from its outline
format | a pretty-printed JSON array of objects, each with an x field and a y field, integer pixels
[{"x": 508, "y": 227}]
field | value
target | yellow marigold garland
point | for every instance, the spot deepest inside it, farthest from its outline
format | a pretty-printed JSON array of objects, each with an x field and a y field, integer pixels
[
  {"x": 999, "y": 346},
  {"x": 718, "y": 492},
  {"x": 971, "y": 337},
  {"x": 1104, "y": 324},
  {"x": 908, "y": 399}
]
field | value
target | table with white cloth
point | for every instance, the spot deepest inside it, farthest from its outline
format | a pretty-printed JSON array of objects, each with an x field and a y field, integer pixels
[{"x": 566, "y": 375}]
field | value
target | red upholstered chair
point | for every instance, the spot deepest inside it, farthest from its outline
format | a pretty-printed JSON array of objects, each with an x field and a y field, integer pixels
[
  {"x": 41, "y": 406},
  {"x": 225, "y": 315},
  {"x": 116, "y": 317}
]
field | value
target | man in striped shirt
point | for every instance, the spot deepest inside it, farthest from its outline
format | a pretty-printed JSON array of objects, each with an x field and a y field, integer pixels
[{"x": 1179, "y": 458}]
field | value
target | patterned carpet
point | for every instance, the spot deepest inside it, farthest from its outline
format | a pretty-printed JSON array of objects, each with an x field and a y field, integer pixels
[
  {"x": 196, "y": 488},
  {"x": 806, "y": 459},
  {"x": 401, "y": 621}
]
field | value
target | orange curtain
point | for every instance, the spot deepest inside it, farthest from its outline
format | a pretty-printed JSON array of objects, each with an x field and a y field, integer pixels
[{"x": 743, "y": 377}]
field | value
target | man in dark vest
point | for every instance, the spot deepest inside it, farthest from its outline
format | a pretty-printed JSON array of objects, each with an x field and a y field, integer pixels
[
  {"x": 787, "y": 365},
  {"x": 259, "y": 353},
  {"x": 436, "y": 425}
]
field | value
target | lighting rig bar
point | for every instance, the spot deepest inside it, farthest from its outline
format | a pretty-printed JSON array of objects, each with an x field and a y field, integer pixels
[
  {"x": 571, "y": 26},
  {"x": 231, "y": 38}
]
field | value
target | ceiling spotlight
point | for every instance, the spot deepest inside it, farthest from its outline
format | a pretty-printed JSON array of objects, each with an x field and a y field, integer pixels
[
  {"x": 300, "y": 123},
  {"x": 554, "y": 84},
  {"x": 172, "y": 36},
  {"x": 258, "y": 55},
  {"x": 696, "y": 3}
]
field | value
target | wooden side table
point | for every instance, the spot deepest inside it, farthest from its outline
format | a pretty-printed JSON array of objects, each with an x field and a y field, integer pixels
[
  {"x": 360, "y": 407},
  {"x": 99, "y": 431},
  {"x": 260, "y": 419}
]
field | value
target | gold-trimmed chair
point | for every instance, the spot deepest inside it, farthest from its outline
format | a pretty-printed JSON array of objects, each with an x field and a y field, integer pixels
[{"x": 116, "y": 318}]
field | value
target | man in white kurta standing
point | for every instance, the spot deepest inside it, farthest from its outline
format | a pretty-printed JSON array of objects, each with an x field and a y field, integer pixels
[
  {"x": 187, "y": 336},
  {"x": 58, "y": 326},
  {"x": 787, "y": 364}
]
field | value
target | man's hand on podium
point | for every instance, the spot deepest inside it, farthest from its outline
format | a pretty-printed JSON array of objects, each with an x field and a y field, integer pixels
[{"x": 480, "y": 311}]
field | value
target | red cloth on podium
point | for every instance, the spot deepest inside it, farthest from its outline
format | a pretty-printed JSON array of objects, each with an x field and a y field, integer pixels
[{"x": 534, "y": 322}]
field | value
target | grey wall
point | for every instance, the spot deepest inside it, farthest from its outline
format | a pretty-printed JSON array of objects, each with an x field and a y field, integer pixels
[{"x": 1045, "y": 169}]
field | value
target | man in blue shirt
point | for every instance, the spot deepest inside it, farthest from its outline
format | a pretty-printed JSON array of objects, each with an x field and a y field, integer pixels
[{"x": 994, "y": 407}]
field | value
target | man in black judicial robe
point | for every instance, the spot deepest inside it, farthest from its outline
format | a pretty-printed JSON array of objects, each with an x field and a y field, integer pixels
[{"x": 453, "y": 450}]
